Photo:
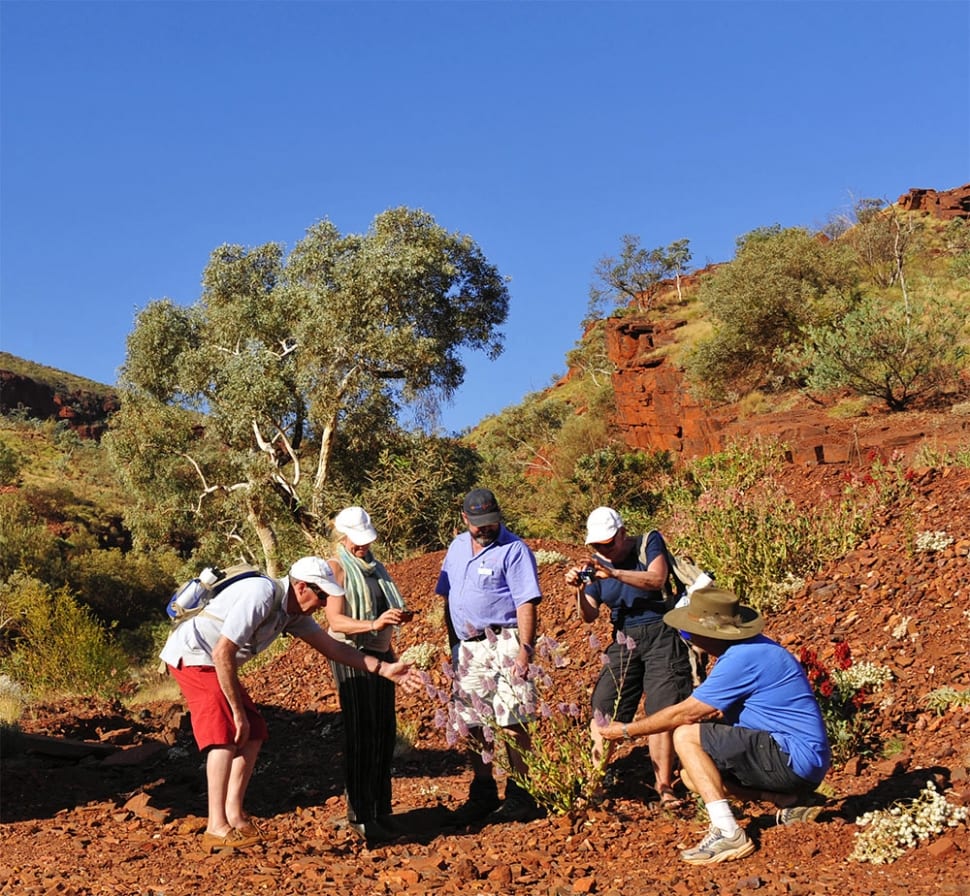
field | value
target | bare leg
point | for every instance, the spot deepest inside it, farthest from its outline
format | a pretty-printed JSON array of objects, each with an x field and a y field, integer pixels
[
  {"x": 218, "y": 769},
  {"x": 699, "y": 772},
  {"x": 476, "y": 744},
  {"x": 516, "y": 754},
  {"x": 242, "y": 771},
  {"x": 662, "y": 759}
]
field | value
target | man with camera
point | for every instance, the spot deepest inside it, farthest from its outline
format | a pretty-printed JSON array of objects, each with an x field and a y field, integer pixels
[{"x": 647, "y": 659}]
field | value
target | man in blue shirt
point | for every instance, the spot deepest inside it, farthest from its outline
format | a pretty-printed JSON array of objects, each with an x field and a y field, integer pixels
[
  {"x": 647, "y": 660},
  {"x": 753, "y": 729},
  {"x": 490, "y": 584}
]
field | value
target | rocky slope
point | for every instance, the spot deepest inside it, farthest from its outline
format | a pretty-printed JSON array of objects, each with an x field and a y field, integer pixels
[{"x": 122, "y": 815}]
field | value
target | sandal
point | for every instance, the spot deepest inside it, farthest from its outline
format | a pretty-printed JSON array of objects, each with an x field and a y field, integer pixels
[{"x": 669, "y": 799}]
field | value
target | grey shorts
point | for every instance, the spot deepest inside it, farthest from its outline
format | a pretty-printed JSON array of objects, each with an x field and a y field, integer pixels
[
  {"x": 751, "y": 758},
  {"x": 657, "y": 669}
]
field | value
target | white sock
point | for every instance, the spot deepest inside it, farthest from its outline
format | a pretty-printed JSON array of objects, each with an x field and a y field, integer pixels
[{"x": 722, "y": 817}]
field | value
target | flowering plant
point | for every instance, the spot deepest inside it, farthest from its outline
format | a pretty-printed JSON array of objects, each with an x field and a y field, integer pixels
[
  {"x": 561, "y": 770},
  {"x": 887, "y": 833},
  {"x": 844, "y": 695}
]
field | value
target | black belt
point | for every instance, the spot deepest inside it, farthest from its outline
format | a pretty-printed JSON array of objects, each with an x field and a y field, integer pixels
[{"x": 481, "y": 636}]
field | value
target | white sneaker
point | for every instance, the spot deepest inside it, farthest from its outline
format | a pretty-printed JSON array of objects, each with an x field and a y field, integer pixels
[{"x": 715, "y": 847}]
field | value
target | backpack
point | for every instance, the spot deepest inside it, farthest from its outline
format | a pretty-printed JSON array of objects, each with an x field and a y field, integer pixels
[
  {"x": 683, "y": 573},
  {"x": 193, "y": 596},
  {"x": 684, "y": 576}
]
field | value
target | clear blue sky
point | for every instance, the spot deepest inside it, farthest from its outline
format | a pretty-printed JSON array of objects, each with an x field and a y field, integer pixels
[{"x": 138, "y": 136}]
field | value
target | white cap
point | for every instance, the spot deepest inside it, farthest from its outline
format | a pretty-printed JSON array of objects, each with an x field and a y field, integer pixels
[
  {"x": 354, "y": 522},
  {"x": 315, "y": 571},
  {"x": 602, "y": 524}
]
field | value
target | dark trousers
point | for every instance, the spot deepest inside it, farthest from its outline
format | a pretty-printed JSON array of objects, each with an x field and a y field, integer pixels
[{"x": 370, "y": 730}]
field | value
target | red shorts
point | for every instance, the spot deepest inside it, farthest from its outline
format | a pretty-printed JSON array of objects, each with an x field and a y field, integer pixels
[{"x": 209, "y": 710}]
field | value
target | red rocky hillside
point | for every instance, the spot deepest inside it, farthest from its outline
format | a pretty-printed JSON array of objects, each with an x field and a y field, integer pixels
[{"x": 110, "y": 800}]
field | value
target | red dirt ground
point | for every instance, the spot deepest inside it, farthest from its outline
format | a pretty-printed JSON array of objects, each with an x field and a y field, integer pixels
[{"x": 127, "y": 821}]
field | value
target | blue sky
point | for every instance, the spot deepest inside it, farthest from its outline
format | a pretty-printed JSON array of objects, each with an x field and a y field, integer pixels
[{"x": 138, "y": 136}]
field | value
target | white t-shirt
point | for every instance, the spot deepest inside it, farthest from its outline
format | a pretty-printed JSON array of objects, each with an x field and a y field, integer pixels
[{"x": 249, "y": 613}]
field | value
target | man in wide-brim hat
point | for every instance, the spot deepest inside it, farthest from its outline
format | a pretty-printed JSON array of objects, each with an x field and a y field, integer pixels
[{"x": 753, "y": 729}]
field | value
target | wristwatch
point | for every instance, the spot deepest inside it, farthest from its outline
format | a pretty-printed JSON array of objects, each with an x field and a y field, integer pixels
[{"x": 626, "y": 732}]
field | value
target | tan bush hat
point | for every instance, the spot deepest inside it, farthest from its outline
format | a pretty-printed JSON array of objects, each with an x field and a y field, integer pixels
[{"x": 716, "y": 613}]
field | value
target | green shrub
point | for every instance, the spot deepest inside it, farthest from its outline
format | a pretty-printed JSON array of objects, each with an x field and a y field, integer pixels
[
  {"x": 11, "y": 463},
  {"x": 941, "y": 700},
  {"x": 26, "y": 542},
  {"x": 128, "y": 588},
  {"x": 57, "y": 646},
  {"x": 891, "y": 350},
  {"x": 780, "y": 283},
  {"x": 731, "y": 514},
  {"x": 561, "y": 769}
]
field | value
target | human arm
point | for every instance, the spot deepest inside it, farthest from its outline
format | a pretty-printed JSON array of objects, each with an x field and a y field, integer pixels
[
  {"x": 526, "y": 615},
  {"x": 587, "y": 605},
  {"x": 400, "y": 673},
  {"x": 227, "y": 673},
  {"x": 339, "y": 621},
  {"x": 687, "y": 712}
]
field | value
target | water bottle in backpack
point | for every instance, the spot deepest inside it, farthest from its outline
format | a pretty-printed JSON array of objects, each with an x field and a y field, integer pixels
[{"x": 188, "y": 596}]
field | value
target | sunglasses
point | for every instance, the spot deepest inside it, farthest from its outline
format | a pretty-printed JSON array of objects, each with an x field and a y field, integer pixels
[{"x": 604, "y": 545}]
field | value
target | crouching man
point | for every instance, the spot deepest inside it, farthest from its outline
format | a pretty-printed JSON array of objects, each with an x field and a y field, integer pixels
[{"x": 752, "y": 730}]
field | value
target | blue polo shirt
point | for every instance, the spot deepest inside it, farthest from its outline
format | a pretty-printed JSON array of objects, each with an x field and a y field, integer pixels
[
  {"x": 629, "y": 605},
  {"x": 758, "y": 684},
  {"x": 486, "y": 588}
]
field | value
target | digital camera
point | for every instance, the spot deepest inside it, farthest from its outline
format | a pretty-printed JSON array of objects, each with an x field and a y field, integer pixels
[{"x": 587, "y": 574}]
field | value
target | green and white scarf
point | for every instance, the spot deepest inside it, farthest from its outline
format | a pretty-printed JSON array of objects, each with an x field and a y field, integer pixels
[{"x": 358, "y": 596}]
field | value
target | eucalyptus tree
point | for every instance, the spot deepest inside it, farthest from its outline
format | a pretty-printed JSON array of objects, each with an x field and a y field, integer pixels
[
  {"x": 636, "y": 274},
  {"x": 237, "y": 407}
]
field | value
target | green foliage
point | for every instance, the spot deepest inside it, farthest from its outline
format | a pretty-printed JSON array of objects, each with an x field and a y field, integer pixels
[
  {"x": 26, "y": 542},
  {"x": 636, "y": 274},
  {"x": 56, "y": 645},
  {"x": 942, "y": 700},
  {"x": 126, "y": 588},
  {"x": 892, "y": 351},
  {"x": 781, "y": 283},
  {"x": 412, "y": 492},
  {"x": 884, "y": 239},
  {"x": 731, "y": 514},
  {"x": 561, "y": 770},
  {"x": 293, "y": 360},
  {"x": 11, "y": 463},
  {"x": 619, "y": 479}
]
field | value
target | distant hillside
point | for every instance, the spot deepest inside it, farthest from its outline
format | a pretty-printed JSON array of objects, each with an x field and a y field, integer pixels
[{"x": 45, "y": 393}]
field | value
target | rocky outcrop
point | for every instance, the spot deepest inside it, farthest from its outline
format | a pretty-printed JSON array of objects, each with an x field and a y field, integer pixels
[
  {"x": 655, "y": 411},
  {"x": 84, "y": 411},
  {"x": 654, "y": 408},
  {"x": 946, "y": 206}
]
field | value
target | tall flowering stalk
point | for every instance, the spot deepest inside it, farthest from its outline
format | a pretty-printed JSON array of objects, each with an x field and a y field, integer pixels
[{"x": 561, "y": 771}]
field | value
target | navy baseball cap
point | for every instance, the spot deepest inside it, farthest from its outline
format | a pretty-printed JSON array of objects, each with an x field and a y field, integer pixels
[{"x": 481, "y": 508}]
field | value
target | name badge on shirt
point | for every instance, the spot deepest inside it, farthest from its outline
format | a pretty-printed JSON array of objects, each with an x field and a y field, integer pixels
[{"x": 484, "y": 570}]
